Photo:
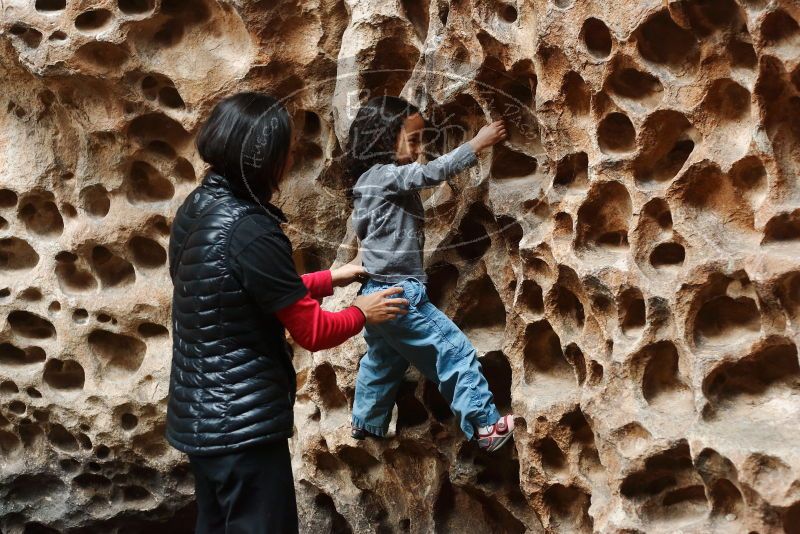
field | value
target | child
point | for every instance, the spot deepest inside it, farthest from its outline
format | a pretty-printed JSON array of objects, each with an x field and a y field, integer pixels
[{"x": 388, "y": 217}]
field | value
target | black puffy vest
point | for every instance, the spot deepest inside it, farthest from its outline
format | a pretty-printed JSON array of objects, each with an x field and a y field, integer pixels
[{"x": 232, "y": 382}]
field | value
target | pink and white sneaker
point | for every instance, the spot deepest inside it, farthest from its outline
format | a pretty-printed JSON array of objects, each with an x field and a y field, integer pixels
[{"x": 495, "y": 436}]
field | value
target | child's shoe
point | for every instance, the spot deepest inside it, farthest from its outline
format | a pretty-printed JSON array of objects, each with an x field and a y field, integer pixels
[
  {"x": 361, "y": 433},
  {"x": 492, "y": 437}
]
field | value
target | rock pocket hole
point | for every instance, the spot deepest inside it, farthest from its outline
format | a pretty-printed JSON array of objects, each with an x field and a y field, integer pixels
[
  {"x": 170, "y": 97},
  {"x": 41, "y": 216},
  {"x": 71, "y": 277},
  {"x": 726, "y": 499},
  {"x": 443, "y": 278},
  {"x": 31, "y": 294},
  {"x": 80, "y": 316},
  {"x": 121, "y": 355},
  {"x": 783, "y": 227},
  {"x": 636, "y": 85},
  {"x": 170, "y": 33},
  {"x": 64, "y": 375},
  {"x": 416, "y": 11},
  {"x": 328, "y": 388},
  {"x": 471, "y": 241},
  {"x": 184, "y": 170},
  {"x": 575, "y": 357},
  {"x": 484, "y": 321},
  {"x": 29, "y": 325},
  {"x": 410, "y": 411},
  {"x": 148, "y": 330},
  {"x": 667, "y": 255},
  {"x": 135, "y": 7},
  {"x": 754, "y": 374},
  {"x": 16, "y": 254},
  {"x": 632, "y": 312},
  {"x": 497, "y": 371},
  {"x": 62, "y": 439},
  {"x": 147, "y": 184},
  {"x": 553, "y": 459},
  {"x": 436, "y": 403},
  {"x": 724, "y": 320},
  {"x": 508, "y": 163},
  {"x": 93, "y": 21},
  {"x": 146, "y": 252},
  {"x": 597, "y": 38},
  {"x": 102, "y": 56},
  {"x": 577, "y": 95},
  {"x": 542, "y": 355},
  {"x": 112, "y": 270},
  {"x": 12, "y": 355},
  {"x": 8, "y": 198},
  {"x": 616, "y": 134},
  {"x": 668, "y": 141},
  {"x": 10, "y": 444},
  {"x": 46, "y": 6},
  {"x": 157, "y": 127},
  {"x": 8, "y": 387},
  {"x": 128, "y": 421},
  {"x": 32, "y": 38},
  {"x": 742, "y": 55},
  {"x": 604, "y": 219},
  {"x": 95, "y": 200},
  {"x": 661, "y": 380},
  {"x": 573, "y": 171},
  {"x": 531, "y": 296},
  {"x": 661, "y": 41},
  {"x": 728, "y": 100},
  {"x": 508, "y": 13},
  {"x": 778, "y": 28},
  {"x": 569, "y": 508},
  {"x": 568, "y": 307}
]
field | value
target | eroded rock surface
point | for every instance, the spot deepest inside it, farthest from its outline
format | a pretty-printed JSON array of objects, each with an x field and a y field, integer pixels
[{"x": 626, "y": 264}]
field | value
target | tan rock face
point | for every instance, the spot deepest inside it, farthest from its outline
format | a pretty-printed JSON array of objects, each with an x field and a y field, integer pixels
[{"x": 626, "y": 264}]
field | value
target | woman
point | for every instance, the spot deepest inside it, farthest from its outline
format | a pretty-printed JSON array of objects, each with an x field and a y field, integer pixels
[{"x": 235, "y": 291}]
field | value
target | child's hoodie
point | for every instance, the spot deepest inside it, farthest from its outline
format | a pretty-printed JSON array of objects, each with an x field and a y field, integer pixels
[{"x": 388, "y": 216}]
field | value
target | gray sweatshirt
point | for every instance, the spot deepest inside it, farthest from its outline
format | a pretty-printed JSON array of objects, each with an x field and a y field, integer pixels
[{"x": 388, "y": 216}]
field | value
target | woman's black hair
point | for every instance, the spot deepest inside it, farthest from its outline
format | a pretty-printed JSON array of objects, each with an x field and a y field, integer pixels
[
  {"x": 373, "y": 135},
  {"x": 246, "y": 139}
]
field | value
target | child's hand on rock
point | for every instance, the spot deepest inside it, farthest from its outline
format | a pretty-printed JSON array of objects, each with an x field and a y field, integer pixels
[{"x": 489, "y": 135}]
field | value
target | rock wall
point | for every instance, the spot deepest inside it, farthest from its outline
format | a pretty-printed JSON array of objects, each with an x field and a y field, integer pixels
[{"x": 626, "y": 264}]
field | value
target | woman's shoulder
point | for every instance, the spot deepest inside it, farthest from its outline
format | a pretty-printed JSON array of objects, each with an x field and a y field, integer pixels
[{"x": 253, "y": 226}]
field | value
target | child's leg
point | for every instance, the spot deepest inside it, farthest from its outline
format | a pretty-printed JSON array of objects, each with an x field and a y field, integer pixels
[
  {"x": 437, "y": 347},
  {"x": 380, "y": 373}
]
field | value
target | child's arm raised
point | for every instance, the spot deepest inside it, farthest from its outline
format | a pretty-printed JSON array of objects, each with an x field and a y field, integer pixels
[{"x": 416, "y": 176}]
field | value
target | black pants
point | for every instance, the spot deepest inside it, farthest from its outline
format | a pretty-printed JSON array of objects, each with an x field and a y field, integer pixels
[{"x": 246, "y": 492}]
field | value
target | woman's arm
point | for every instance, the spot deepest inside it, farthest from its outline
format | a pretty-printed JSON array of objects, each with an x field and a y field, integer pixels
[
  {"x": 319, "y": 284},
  {"x": 316, "y": 329}
]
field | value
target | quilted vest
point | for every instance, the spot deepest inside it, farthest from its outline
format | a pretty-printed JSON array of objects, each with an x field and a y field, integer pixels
[{"x": 232, "y": 382}]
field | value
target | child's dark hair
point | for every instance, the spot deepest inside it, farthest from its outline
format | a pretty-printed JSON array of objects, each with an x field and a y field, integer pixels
[
  {"x": 373, "y": 135},
  {"x": 246, "y": 139}
]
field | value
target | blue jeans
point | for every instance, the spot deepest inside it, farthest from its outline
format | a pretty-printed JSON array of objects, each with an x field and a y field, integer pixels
[{"x": 428, "y": 339}]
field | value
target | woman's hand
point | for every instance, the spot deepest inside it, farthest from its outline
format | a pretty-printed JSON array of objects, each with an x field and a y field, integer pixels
[
  {"x": 378, "y": 309},
  {"x": 347, "y": 274}
]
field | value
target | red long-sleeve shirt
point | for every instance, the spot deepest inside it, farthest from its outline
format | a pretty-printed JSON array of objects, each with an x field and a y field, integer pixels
[{"x": 314, "y": 328}]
